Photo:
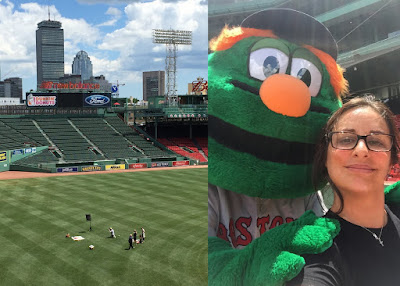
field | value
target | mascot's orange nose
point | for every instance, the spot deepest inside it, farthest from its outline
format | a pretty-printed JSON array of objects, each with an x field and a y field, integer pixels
[{"x": 285, "y": 94}]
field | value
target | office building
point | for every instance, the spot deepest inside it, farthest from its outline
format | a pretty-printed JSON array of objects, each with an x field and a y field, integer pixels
[
  {"x": 49, "y": 51},
  {"x": 104, "y": 84},
  {"x": 82, "y": 65},
  {"x": 153, "y": 84},
  {"x": 11, "y": 88}
]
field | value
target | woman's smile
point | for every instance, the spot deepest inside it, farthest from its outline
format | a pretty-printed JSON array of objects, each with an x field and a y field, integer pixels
[{"x": 360, "y": 168}]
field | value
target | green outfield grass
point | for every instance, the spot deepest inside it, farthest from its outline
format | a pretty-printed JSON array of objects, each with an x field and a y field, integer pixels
[{"x": 36, "y": 214}]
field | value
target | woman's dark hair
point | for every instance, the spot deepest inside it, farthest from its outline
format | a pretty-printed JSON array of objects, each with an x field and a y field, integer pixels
[{"x": 319, "y": 172}]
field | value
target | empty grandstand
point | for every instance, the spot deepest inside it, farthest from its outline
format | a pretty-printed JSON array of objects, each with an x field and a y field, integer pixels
[{"x": 73, "y": 139}]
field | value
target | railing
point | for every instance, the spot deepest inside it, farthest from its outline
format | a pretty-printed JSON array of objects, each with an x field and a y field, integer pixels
[{"x": 24, "y": 110}]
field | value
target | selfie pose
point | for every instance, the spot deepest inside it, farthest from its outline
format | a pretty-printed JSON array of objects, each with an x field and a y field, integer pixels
[{"x": 273, "y": 84}]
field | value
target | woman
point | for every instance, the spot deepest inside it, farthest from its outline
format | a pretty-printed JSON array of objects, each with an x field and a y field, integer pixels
[{"x": 355, "y": 155}]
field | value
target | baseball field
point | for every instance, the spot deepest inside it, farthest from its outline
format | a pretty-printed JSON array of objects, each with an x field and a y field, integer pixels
[{"x": 37, "y": 213}]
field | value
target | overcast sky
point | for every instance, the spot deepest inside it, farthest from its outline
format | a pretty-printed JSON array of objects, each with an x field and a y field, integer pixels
[{"x": 116, "y": 34}]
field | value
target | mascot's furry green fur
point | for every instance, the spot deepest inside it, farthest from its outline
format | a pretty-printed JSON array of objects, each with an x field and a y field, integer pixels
[{"x": 273, "y": 83}]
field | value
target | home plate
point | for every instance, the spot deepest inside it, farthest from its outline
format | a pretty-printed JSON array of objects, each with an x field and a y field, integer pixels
[{"x": 77, "y": 238}]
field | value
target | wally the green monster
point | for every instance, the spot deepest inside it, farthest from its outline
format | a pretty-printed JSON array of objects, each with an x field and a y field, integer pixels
[{"x": 273, "y": 83}]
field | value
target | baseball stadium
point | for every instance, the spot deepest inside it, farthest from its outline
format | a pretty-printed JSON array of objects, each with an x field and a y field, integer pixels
[{"x": 75, "y": 163}]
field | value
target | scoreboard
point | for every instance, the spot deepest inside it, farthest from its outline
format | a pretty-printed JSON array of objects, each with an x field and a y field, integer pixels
[{"x": 68, "y": 99}]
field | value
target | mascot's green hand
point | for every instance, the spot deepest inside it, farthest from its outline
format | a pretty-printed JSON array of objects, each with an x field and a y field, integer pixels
[
  {"x": 392, "y": 193},
  {"x": 273, "y": 258}
]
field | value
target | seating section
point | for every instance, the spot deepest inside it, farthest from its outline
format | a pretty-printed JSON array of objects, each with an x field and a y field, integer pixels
[
  {"x": 203, "y": 143},
  {"x": 183, "y": 146},
  {"x": 138, "y": 140},
  {"x": 90, "y": 139},
  {"x": 19, "y": 133},
  {"x": 72, "y": 145},
  {"x": 394, "y": 174},
  {"x": 106, "y": 139},
  {"x": 44, "y": 157}
]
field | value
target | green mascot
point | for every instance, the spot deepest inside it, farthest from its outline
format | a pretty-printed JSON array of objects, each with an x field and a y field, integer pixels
[{"x": 273, "y": 83}]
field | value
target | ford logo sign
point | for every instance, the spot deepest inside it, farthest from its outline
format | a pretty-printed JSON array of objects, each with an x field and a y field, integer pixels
[{"x": 97, "y": 99}]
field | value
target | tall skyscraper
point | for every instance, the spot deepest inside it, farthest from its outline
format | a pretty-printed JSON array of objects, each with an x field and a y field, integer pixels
[
  {"x": 153, "y": 84},
  {"x": 82, "y": 65},
  {"x": 49, "y": 51}
]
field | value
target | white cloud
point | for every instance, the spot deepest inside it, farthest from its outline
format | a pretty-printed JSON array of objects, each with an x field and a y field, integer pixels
[
  {"x": 113, "y": 12},
  {"x": 116, "y": 15},
  {"x": 119, "y": 55},
  {"x": 78, "y": 31},
  {"x": 134, "y": 41},
  {"x": 17, "y": 37},
  {"x": 122, "y": 1},
  {"x": 111, "y": 22},
  {"x": 18, "y": 32}
]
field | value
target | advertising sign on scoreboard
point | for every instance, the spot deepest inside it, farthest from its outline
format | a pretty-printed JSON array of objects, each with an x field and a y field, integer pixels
[
  {"x": 41, "y": 100},
  {"x": 97, "y": 100},
  {"x": 68, "y": 99}
]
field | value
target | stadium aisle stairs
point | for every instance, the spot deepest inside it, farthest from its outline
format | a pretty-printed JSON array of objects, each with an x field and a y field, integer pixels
[
  {"x": 105, "y": 138},
  {"x": 138, "y": 139},
  {"x": 13, "y": 135},
  {"x": 71, "y": 144}
]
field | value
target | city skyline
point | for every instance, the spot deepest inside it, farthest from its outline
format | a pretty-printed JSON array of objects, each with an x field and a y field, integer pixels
[{"x": 117, "y": 35}]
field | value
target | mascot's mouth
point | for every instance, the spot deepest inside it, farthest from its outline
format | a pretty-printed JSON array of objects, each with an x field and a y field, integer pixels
[
  {"x": 263, "y": 147},
  {"x": 256, "y": 91}
]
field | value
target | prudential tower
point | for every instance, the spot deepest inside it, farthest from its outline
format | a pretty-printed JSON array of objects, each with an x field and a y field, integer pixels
[{"x": 49, "y": 51}]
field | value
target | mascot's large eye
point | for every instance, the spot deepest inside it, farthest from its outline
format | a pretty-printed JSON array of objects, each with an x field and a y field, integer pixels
[
  {"x": 308, "y": 73},
  {"x": 266, "y": 62}
]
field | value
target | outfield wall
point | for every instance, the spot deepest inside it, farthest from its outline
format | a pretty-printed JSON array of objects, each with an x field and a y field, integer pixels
[
  {"x": 109, "y": 167},
  {"x": 97, "y": 166},
  {"x": 4, "y": 161},
  {"x": 7, "y": 157}
]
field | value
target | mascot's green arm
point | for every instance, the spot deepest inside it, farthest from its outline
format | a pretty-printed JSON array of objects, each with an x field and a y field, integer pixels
[
  {"x": 392, "y": 193},
  {"x": 273, "y": 258}
]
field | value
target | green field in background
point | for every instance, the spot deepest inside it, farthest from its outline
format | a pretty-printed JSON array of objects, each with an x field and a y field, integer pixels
[{"x": 36, "y": 214}]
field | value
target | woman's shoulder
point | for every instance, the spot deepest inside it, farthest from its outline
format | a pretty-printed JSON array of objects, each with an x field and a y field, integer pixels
[{"x": 394, "y": 208}]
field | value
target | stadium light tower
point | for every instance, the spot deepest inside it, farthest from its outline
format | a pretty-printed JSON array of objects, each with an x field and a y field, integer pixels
[{"x": 171, "y": 38}]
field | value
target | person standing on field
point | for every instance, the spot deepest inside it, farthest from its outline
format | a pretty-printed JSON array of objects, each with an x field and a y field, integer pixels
[
  {"x": 143, "y": 234},
  {"x": 130, "y": 240},
  {"x": 112, "y": 233}
]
